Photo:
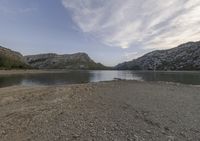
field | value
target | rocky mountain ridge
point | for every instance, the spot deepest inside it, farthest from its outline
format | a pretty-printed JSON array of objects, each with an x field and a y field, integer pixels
[
  {"x": 65, "y": 61},
  {"x": 183, "y": 57},
  {"x": 14, "y": 60}
]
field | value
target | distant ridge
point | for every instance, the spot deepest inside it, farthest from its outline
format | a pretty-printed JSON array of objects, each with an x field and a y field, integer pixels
[
  {"x": 10, "y": 59},
  {"x": 65, "y": 61},
  {"x": 183, "y": 57}
]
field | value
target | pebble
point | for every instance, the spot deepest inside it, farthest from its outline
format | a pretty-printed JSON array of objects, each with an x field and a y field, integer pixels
[
  {"x": 75, "y": 136},
  {"x": 148, "y": 131},
  {"x": 166, "y": 128},
  {"x": 170, "y": 138},
  {"x": 3, "y": 132},
  {"x": 182, "y": 134},
  {"x": 163, "y": 132}
]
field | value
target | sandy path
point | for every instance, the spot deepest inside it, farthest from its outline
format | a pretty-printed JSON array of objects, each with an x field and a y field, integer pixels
[{"x": 118, "y": 111}]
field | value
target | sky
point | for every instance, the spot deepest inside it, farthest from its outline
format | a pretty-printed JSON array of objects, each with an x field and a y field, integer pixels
[{"x": 109, "y": 31}]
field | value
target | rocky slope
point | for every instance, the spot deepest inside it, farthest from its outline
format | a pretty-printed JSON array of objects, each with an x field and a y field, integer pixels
[
  {"x": 67, "y": 61},
  {"x": 183, "y": 57},
  {"x": 11, "y": 60}
]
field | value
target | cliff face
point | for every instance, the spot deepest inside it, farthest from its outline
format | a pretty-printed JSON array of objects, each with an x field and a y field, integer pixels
[
  {"x": 66, "y": 61},
  {"x": 11, "y": 60},
  {"x": 183, "y": 57}
]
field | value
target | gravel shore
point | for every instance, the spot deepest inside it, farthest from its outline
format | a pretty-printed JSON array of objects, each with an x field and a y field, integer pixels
[{"x": 104, "y": 111}]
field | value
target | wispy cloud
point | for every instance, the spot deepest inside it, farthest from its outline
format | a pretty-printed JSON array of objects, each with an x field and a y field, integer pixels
[
  {"x": 7, "y": 7},
  {"x": 149, "y": 23}
]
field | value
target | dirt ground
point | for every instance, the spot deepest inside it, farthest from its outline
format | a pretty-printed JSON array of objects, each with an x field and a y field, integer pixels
[{"x": 104, "y": 111}]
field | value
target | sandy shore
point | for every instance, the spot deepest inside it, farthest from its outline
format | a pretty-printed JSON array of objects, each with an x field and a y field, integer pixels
[{"x": 106, "y": 111}]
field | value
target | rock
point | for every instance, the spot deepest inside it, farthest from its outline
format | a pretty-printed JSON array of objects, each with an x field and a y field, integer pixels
[
  {"x": 3, "y": 132},
  {"x": 183, "y": 57},
  {"x": 170, "y": 138},
  {"x": 75, "y": 136},
  {"x": 148, "y": 131},
  {"x": 166, "y": 128},
  {"x": 182, "y": 134}
]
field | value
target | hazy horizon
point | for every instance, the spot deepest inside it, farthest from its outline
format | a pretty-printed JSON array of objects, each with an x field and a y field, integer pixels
[{"x": 110, "y": 32}]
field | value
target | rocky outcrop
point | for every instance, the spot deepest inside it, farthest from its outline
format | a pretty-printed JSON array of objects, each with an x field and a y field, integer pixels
[
  {"x": 11, "y": 60},
  {"x": 67, "y": 61},
  {"x": 183, "y": 57}
]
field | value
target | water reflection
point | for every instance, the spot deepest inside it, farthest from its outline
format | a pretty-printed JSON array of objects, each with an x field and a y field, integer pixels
[
  {"x": 179, "y": 77},
  {"x": 10, "y": 80},
  {"x": 97, "y": 76},
  {"x": 72, "y": 77}
]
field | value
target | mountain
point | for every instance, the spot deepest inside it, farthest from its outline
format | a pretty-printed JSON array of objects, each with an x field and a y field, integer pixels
[
  {"x": 66, "y": 61},
  {"x": 14, "y": 60},
  {"x": 183, "y": 57},
  {"x": 11, "y": 60}
]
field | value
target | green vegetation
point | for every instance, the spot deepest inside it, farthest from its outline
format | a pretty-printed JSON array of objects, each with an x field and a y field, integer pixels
[{"x": 11, "y": 63}]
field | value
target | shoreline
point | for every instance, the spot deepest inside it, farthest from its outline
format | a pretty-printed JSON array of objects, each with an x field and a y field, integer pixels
[
  {"x": 35, "y": 71},
  {"x": 116, "y": 110},
  {"x": 16, "y": 72}
]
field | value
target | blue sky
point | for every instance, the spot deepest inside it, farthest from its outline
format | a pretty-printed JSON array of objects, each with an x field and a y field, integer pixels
[{"x": 110, "y": 31}]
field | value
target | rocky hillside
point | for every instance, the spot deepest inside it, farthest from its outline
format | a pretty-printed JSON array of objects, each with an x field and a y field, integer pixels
[
  {"x": 183, "y": 57},
  {"x": 11, "y": 60},
  {"x": 67, "y": 61}
]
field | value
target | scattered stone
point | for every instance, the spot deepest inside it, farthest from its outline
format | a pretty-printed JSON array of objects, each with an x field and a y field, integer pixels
[
  {"x": 3, "y": 132},
  {"x": 166, "y": 128},
  {"x": 170, "y": 138},
  {"x": 95, "y": 118},
  {"x": 76, "y": 136},
  {"x": 148, "y": 131},
  {"x": 182, "y": 134}
]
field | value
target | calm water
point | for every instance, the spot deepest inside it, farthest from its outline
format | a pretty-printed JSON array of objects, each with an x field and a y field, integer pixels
[{"x": 74, "y": 77}]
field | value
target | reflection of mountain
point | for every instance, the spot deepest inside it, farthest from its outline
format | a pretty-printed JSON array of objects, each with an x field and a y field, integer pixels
[
  {"x": 72, "y": 77},
  {"x": 6, "y": 81},
  {"x": 76, "y": 77},
  {"x": 179, "y": 77}
]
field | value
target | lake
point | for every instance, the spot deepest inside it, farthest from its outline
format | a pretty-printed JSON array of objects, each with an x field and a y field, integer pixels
[{"x": 77, "y": 77}]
